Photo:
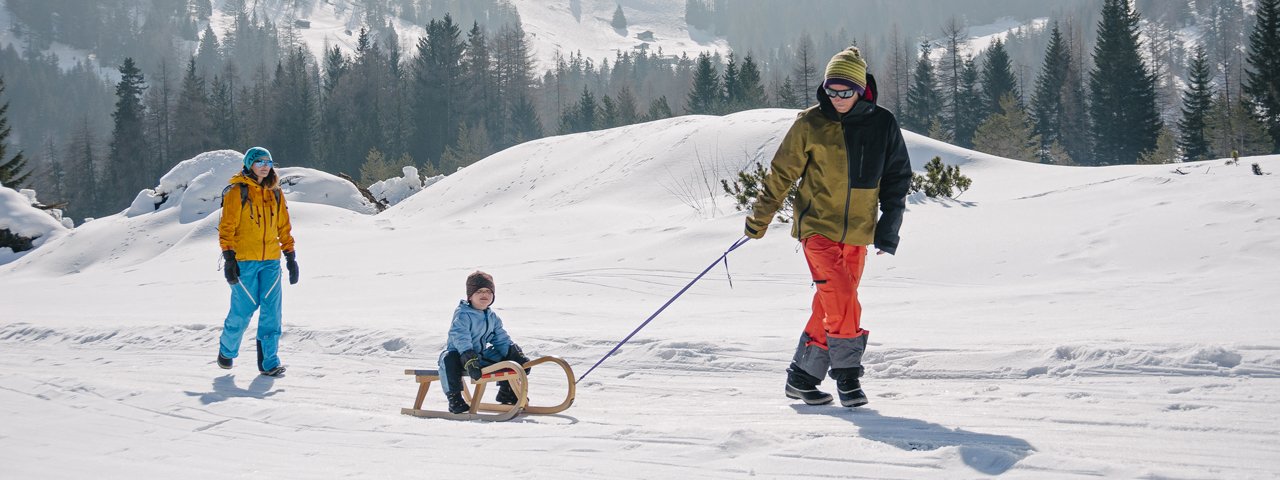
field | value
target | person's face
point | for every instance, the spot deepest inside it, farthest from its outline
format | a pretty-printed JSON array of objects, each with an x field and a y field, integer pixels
[
  {"x": 261, "y": 168},
  {"x": 843, "y": 105},
  {"x": 482, "y": 299}
]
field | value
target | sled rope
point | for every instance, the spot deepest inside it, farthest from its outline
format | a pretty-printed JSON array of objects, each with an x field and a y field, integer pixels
[{"x": 723, "y": 257}]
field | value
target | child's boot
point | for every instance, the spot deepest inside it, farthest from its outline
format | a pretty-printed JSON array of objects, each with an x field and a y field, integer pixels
[
  {"x": 456, "y": 403},
  {"x": 506, "y": 395}
]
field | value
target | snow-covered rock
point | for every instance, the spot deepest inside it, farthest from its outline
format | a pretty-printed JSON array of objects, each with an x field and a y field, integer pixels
[{"x": 24, "y": 223}]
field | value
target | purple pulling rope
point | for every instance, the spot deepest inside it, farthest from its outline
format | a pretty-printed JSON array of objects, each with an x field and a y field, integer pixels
[{"x": 665, "y": 305}]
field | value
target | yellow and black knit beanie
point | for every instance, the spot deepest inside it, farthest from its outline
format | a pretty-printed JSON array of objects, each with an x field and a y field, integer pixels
[{"x": 847, "y": 68}]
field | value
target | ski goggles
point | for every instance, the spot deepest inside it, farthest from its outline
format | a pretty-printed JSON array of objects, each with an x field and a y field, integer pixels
[
  {"x": 840, "y": 93},
  {"x": 259, "y": 163}
]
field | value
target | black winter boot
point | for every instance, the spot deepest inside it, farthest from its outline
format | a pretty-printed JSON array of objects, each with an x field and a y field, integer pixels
[
  {"x": 506, "y": 395},
  {"x": 801, "y": 386},
  {"x": 456, "y": 403},
  {"x": 224, "y": 362},
  {"x": 851, "y": 394}
]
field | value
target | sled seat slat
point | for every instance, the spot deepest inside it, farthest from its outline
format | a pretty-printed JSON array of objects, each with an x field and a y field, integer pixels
[{"x": 433, "y": 375}]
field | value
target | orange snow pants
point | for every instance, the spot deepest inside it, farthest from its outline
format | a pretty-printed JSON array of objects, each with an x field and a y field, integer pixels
[{"x": 837, "y": 270}]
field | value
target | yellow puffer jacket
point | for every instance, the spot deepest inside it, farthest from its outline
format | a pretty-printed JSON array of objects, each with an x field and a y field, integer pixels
[
  {"x": 848, "y": 166},
  {"x": 259, "y": 229}
]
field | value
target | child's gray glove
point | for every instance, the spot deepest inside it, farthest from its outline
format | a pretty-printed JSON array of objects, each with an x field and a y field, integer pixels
[{"x": 471, "y": 363}]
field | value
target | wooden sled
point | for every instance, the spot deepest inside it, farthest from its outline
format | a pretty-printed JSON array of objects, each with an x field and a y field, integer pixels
[{"x": 492, "y": 412}]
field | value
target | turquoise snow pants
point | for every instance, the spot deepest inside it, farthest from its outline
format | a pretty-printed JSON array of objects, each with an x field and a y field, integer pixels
[{"x": 258, "y": 289}]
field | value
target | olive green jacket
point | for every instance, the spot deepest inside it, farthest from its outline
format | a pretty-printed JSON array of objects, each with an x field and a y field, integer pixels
[{"x": 847, "y": 165}]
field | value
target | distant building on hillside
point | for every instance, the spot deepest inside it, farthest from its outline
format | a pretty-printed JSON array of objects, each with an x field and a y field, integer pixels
[
  {"x": 646, "y": 35},
  {"x": 302, "y": 23}
]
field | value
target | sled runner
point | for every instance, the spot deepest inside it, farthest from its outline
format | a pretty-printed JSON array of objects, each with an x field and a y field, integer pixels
[{"x": 493, "y": 412}]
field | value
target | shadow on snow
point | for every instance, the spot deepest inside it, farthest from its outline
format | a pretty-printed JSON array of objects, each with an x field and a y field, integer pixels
[
  {"x": 984, "y": 452},
  {"x": 224, "y": 387}
]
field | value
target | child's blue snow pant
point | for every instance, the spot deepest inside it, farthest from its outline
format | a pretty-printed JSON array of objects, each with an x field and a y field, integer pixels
[{"x": 258, "y": 289}]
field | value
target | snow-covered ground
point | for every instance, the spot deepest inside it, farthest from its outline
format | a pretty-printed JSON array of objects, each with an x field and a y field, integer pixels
[{"x": 1053, "y": 322}]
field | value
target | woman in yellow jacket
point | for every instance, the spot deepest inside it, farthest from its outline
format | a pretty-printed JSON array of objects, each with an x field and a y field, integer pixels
[{"x": 253, "y": 233}]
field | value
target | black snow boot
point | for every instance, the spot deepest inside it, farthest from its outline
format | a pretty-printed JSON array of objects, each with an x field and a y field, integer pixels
[
  {"x": 275, "y": 372},
  {"x": 224, "y": 362},
  {"x": 801, "y": 386},
  {"x": 506, "y": 395},
  {"x": 851, "y": 392},
  {"x": 456, "y": 403}
]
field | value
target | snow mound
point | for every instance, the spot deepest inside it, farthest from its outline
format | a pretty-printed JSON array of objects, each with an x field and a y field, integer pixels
[
  {"x": 19, "y": 219},
  {"x": 195, "y": 187},
  {"x": 394, "y": 190}
]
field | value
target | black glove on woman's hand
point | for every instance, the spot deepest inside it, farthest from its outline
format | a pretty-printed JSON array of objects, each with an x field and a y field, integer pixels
[
  {"x": 291, "y": 264},
  {"x": 471, "y": 363},
  {"x": 231, "y": 269}
]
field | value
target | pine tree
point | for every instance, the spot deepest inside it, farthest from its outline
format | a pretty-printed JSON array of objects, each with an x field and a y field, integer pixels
[
  {"x": 1166, "y": 150},
  {"x": 732, "y": 86},
  {"x": 1008, "y": 133},
  {"x": 1232, "y": 127},
  {"x": 786, "y": 94},
  {"x": 1122, "y": 91},
  {"x": 659, "y": 109},
  {"x": 127, "y": 160},
  {"x": 83, "y": 198},
  {"x": 525, "y": 125},
  {"x": 582, "y": 116},
  {"x": 626, "y": 104},
  {"x": 1262, "y": 82},
  {"x": 1047, "y": 99},
  {"x": 997, "y": 78},
  {"x": 704, "y": 96},
  {"x": 950, "y": 73},
  {"x": 750, "y": 88},
  {"x": 478, "y": 68},
  {"x": 923, "y": 100},
  {"x": 193, "y": 132},
  {"x": 293, "y": 112},
  {"x": 968, "y": 105},
  {"x": 608, "y": 114},
  {"x": 471, "y": 145},
  {"x": 1196, "y": 104},
  {"x": 158, "y": 105},
  {"x": 1075, "y": 132},
  {"x": 208, "y": 59},
  {"x": 806, "y": 74},
  {"x": 11, "y": 169},
  {"x": 439, "y": 91},
  {"x": 619, "y": 21}
]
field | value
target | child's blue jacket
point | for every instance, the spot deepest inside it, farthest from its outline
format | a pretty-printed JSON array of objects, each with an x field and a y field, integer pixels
[{"x": 475, "y": 329}]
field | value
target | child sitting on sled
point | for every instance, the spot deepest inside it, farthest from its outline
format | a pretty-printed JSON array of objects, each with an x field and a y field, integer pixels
[{"x": 476, "y": 340}]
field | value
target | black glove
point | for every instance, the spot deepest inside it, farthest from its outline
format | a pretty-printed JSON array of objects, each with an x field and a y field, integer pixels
[
  {"x": 515, "y": 354},
  {"x": 231, "y": 269},
  {"x": 471, "y": 362},
  {"x": 291, "y": 264}
]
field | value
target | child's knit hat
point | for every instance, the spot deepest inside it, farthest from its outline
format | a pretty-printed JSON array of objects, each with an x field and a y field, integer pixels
[{"x": 479, "y": 280}]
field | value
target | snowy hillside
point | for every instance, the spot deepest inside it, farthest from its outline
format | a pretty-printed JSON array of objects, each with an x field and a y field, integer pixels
[
  {"x": 1052, "y": 322},
  {"x": 553, "y": 27}
]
